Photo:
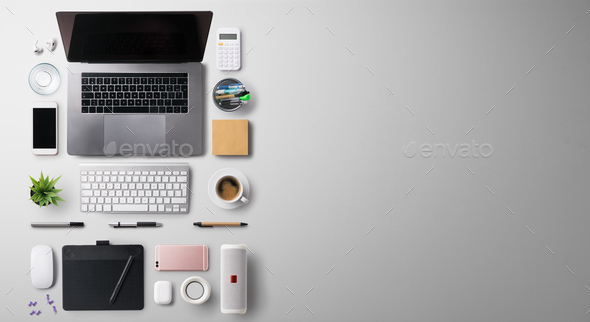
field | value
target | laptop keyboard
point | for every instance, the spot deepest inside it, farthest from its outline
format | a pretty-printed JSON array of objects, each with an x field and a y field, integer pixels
[{"x": 147, "y": 93}]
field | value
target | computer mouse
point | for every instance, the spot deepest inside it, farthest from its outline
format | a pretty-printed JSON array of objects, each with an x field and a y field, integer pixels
[{"x": 42, "y": 266}]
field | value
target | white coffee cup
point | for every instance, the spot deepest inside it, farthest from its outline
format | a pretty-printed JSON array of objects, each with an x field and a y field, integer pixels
[{"x": 230, "y": 183}]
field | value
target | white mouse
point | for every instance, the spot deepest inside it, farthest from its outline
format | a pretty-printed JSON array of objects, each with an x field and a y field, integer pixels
[{"x": 42, "y": 266}]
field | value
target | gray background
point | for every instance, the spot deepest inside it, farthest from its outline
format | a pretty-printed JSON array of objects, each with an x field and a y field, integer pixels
[{"x": 502, "y": 238}]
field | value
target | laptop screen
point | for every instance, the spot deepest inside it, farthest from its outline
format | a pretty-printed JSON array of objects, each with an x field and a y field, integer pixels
[{"x": 134, "y": 36}]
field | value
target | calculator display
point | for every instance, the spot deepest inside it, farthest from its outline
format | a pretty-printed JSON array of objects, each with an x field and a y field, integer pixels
[{"x": 228, "y": 36}]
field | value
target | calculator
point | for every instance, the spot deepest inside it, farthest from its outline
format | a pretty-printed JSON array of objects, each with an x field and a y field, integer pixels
[{"x": 229, "y": 49}]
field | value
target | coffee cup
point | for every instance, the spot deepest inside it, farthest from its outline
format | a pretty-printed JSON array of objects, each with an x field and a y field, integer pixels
[{"x": 230, "y": 190}]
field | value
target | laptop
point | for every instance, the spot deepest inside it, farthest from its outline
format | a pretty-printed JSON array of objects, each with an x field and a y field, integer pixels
[{"x": 135, "y": 82}]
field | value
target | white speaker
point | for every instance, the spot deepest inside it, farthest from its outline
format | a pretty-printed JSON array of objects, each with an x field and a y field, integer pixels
[{"x": 234, "y": 278}]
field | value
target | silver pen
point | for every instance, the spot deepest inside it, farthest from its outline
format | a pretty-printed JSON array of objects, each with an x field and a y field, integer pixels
[
  {"x": 133, "y": 224},
  {"x": 57, "y": 224}
]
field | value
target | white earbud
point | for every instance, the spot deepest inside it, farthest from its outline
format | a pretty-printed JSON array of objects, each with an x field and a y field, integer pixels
[
  {"x": 36, "y": 48},
  {"x": 50, "y": 44}
]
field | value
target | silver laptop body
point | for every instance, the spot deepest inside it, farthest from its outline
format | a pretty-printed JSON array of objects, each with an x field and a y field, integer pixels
[{"x": 162, "y": 129}]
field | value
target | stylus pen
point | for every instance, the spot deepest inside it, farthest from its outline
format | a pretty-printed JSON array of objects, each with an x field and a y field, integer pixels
[
  {"x": 229, "y": 91},
  {"x": 121, "y": 279},
  {"x": 133, "y": 224},
  {"x": 218, "y": 224},
  {"x": 57, "y": 224},
  {"x": 231, "y": 86}
]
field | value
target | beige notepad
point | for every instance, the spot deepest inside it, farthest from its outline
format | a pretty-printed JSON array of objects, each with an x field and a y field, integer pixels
[{"x": 230, "y": 137}]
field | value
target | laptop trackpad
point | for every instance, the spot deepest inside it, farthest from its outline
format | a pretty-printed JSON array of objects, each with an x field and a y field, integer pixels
[{"x": 131, "y": 135}]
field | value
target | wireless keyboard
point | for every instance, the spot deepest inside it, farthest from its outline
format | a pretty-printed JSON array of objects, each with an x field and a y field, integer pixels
[{"x": 134, "y": 188}]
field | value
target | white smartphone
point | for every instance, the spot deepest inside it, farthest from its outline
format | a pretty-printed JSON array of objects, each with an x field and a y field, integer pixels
[{"x": 45, "y": 128}]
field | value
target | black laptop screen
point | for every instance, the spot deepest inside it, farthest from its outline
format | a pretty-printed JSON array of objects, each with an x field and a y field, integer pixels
[{"x": 137, "y": 37}]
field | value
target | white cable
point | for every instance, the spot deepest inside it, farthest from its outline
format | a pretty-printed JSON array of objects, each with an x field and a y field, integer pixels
[{"x": 206, "y": 290}]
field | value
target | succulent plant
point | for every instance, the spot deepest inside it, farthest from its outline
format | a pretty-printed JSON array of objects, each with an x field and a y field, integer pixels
[{"x": 44, "y": 192}]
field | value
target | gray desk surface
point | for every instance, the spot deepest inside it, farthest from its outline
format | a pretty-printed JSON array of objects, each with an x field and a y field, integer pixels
[{"x": 352, "y": 217}]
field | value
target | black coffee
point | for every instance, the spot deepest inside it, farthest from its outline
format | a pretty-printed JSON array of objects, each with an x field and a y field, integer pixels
[{"x": 228, "y": 188}]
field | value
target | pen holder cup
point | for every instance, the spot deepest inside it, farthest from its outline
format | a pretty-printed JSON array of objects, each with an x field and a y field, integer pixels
[{"x": 221, "y": 106}]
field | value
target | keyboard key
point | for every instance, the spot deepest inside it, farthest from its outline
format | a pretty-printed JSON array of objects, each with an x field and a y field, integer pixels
[
  {"x": 135, "y": 109},
  {"x": 84, "y": 80},
  {"x": 180, "y": 102},
  {"x": 183, "y": 80},
  {"x": 133, "y": 207},
  {"x": 92, "y": 80},
  {"x": 86, "y": 88},
  {"x": 178, "y": 200},
  {"x": 184, "y": 109},
  {"x": 87, "y": 95}
]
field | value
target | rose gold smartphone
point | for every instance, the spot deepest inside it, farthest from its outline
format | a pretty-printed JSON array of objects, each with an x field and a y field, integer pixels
[{"x": 182, "y": 258}]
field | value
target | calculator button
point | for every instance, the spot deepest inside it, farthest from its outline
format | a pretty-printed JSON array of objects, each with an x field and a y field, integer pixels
[{"x": 220, "y": 44}]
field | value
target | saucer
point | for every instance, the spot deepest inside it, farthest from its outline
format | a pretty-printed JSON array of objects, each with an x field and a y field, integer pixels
[{"x": 220, "y": 174}]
